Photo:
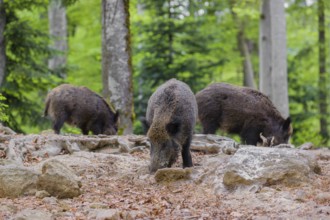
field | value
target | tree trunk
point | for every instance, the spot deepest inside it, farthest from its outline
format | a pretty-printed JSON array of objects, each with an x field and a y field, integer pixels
[
  {"x": 273, "y": 63},
  {"x": 116, "y": 61},
  {"x": 170, "y": 34},
  {"x": 265, "y": 48},
  {"x": 247, "y": 64},
  {"x": 279, "y": 57},
  {"x": 243, "y": 49},
  {"x": 322, "y": 72},
  {"x": 2, "y": 42},
  {"x": 58, "y": 31}
]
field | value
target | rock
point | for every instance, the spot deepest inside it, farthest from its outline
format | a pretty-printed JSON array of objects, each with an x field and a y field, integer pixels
[
  {"x": 108, "y": 150},
  {"x": 123, "y": 182},
  {"x": 12, "y": 152},
  {"x": 6, "y": 130},
  {"x": 51, "y": 148},
  {"x": 205, "y": 147},
  {"x": 137, "y": 139},
  {"x": 323, "y": 197},
  {"x": 42, "y": 194},
  {"x": 47, "y": 132},
  {"x": 4, "y": 162},
  {"x": 16, "y": 180},
  {"x": 137, "y": 149},
  {"x": 3, "y": 149},
  {"x": 99, "y": 206},
  {"x": 229, "y": 147},
  {"x": 88, "y": 144},
  {"x": 213, "y": 145},
  {"x": 236, "y": 214},
  {"x": 72, "y": 147},
  {"x": 172, "y": 174},
  {"x": 211, "y": 172},
  {"x": 323, "y": 210},
  {"x": 283, "y": 146},
  {"x": 7, "y": 208},
  {"x": 217, "y": 138},
  {"x": 29, "y": 214},
  {"x": 268, "y": 166},
  {"x": 132, "y": 215},
  {"x": 104, "y": 214},
  {"x": 67, "y": 215},
  {"x": 124, "y": 145},
  {"x": 322, "y": 154},
  {"x": 306, "y": 146},
  {"x": 50, "y": 200},
  {"x": 300, "y": 196},
  {"x": 59, "y": 180}
]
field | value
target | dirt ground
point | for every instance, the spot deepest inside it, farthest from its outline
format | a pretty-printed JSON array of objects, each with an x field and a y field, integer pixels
[{"x": 136, "y": 195}]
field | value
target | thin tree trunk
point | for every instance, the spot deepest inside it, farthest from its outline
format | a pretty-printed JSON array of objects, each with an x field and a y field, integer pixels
[
  {"x": 273, "y": 63},
  {"x": 247, "y": 64},
  {"x": 58, "y": 31},
  {"x": 243, "y": 49},
  {"x": 170, "y": 35},
  {"x": 322, "y": 72},
  {"x": 265, "y": 48},
  {"x": 116, "y": 61},
  {"x": 2, "y": 42}
]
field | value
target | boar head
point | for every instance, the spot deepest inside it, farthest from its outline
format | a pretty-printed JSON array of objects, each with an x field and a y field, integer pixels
[
  {"x": 165, "y": 147},
  {"x": 277, "y": 135}
]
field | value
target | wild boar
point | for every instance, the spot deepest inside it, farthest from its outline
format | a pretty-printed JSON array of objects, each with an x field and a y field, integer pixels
[
  {"x": 171, "y": 117},
  {"x": 80, "y": 107},
  {"x": 243, "y": 111}
]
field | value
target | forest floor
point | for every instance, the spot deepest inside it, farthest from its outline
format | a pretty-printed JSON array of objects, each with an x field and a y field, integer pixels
[{"x": 131, "y": 192}]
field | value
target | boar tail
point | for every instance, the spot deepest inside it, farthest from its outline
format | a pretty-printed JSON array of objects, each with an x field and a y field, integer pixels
[{"x": 46, "y": 108}]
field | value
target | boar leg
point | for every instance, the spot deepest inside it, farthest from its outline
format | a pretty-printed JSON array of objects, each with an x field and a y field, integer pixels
[
  {"x": 97, "y": 130},
  {"x": 84, "y": 129},
  {"x": 58, "y": 123},
  {"x": 210, "y": 126},
  {"x": 186, "y": 156},
  {"x": 96, "y": 127}
]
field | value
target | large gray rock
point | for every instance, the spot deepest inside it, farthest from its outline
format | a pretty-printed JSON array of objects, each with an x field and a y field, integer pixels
[
  {"x": 59, "y": 180},
  {"x": 17, "y": 180},
  {"x": 213, "y": 144},
  {"x": 267, "y": 166},
  {"x": 30, "y": 214}
]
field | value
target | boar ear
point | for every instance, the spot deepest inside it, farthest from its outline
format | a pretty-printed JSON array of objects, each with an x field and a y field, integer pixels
[{"x": 287, "y": 125}]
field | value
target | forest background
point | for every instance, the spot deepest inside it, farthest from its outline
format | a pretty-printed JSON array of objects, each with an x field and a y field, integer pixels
[{"x": 196, "y": 41}]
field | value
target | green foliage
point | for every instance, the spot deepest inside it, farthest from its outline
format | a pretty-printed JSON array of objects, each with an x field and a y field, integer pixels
[
  {"x": 84, "y": 57},
  {"x": 303, "y": 73},
  {"x": 27, "y": 75},
  {"x": 3, "y": 106}
]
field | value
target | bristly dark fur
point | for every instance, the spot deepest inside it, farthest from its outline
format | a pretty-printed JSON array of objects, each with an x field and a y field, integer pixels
[
  {"x": 80, "y": 107},
  {"x": 170, "y": 120},
  {"x": 243, "y": 111}
]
